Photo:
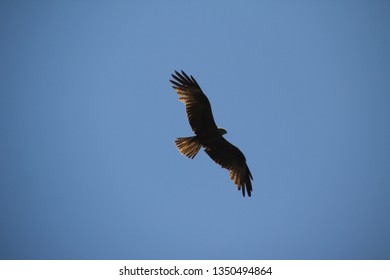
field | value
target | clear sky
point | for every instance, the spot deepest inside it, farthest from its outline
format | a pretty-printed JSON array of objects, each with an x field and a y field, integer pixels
[{"x": 88, "y": 118}]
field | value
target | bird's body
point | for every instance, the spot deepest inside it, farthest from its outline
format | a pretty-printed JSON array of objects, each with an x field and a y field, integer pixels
[{"x": 207, "y": 134}]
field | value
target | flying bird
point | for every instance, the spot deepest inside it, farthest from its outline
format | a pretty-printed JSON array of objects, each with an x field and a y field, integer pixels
[{"x": 207, "y": 134}]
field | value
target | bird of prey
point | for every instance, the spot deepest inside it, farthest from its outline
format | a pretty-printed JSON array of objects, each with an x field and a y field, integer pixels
[{"x": 207, "y": 134}]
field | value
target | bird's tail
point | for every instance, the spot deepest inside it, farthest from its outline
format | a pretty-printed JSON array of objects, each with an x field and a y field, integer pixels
[{"x": 188, "y": 146}]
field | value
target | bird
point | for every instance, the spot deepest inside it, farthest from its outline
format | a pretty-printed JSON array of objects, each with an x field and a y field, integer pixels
[{"x": 207, "y": 134}]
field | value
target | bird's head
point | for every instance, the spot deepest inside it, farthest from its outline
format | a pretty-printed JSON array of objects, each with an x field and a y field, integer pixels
[{"x": 222, "y": 131}]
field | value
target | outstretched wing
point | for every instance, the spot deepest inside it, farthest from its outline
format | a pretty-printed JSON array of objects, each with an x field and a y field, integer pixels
[
  {"x": 231, "y": 158},
  {"x": 198, "y": 106}
]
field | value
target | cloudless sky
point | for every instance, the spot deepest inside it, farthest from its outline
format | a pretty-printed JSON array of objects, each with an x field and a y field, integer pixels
[{"x": 88, "y": 118}]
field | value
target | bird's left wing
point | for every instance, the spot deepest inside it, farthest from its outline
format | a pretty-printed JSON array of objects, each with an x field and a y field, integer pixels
[{"x": 230, "y": 157}]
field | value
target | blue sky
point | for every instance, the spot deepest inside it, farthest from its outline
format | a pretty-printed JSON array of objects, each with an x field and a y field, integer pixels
[{"x": 89, "y": 168}]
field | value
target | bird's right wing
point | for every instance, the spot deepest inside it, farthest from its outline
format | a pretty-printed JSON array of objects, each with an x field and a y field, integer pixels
[{"x": 197, "y": 104}]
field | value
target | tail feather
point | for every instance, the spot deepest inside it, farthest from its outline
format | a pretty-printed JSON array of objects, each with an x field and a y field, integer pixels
[{"x": 188, "y": 146}]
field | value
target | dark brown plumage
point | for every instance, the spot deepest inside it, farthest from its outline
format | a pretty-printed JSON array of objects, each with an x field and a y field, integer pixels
[{"x": 207, "y": 134}]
